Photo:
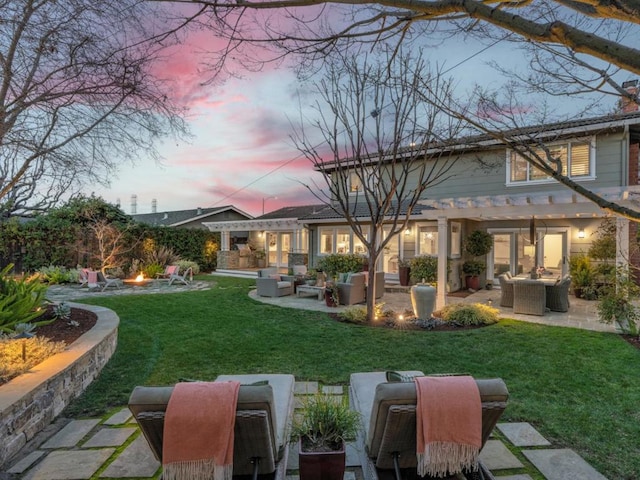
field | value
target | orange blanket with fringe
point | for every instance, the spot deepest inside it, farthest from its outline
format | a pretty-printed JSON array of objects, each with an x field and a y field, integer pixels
[
  {"x": 198, "y": 431},
  {"x": 449, "y": 425}
]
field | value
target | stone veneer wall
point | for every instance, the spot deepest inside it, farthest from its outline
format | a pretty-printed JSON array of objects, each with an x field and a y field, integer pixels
[
  {"x": 30, "y": 402},
  {"x": 228, "y": 260},
  {"x": 298, "y": 259}
]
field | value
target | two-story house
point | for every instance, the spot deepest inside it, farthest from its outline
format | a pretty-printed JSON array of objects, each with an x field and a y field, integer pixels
[{"x": 500, "y": 195}]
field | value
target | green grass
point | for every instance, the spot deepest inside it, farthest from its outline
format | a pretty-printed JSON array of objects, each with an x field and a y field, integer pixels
[{"x": 580, "y": 389}]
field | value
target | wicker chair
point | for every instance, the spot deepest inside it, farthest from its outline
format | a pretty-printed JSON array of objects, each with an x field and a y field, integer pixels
[
  {"x": 506, "y": 291},
  {"x": 558, "y": 295},
  {"x": 529, "y": 297},
  {"x": 387, "y": 442}
]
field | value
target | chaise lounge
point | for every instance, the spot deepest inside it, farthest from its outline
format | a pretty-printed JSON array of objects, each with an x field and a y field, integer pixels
[
  {"x": 262, "y": 425},
  {"x": 387, "y": 443}
]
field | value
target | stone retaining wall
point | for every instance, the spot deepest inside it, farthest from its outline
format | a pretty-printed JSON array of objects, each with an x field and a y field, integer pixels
[{"x": 30, "y": 402}]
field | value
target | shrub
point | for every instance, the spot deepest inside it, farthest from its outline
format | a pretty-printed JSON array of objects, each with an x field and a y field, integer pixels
[
  {"x": 470, "y": 314},
  {"x": 21, "y": 301},
  {"x": 340, "y": 263},
  {"x": 56, "y": 275},
  {"x": 150, "y": 270},
  {"x": 184, "y": 264},
  {"x": 37, "y": 350},
  {"x": 424, "y": 267},
  {"x": 353, "y": 315},
  {"x": 478, "y": 243}
]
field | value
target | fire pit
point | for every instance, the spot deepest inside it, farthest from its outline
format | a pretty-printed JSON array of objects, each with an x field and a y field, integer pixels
[{"x": 139, "y": 281}]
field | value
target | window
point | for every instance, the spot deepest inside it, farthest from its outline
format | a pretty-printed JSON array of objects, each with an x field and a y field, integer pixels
[
  {"x": 456, "y": 240},
  {"x": 340, "y": 240},
  {"x": 577, "y": 157},
  {"x": 355, "y": 184},
  {"x": 428, "y": 240}
]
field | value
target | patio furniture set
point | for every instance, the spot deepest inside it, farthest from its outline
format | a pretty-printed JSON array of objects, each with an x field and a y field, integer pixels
[
  {"x": 534, "y": 296},
  {"x": 351, "y": 289},
  {"x": 388, "y": 403},
  {"x": 96, "y": 280}
]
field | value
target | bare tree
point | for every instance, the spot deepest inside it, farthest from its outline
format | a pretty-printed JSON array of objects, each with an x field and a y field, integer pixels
[
  {"x": 376, "y": 130},
  {"x": 77, "y": 96}
]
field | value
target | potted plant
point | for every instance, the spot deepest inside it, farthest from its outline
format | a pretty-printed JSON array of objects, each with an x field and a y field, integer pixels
[
  {"x": 477, "y": 244},
  {"x": 582, "y": 275},
  {"x": 331, "y": 297},
  {"x": 260, "y": 258},
  {"x": 311, "y": 277},
  {"x": 404, "y": 271},
  {"x": 472, "y": 269},
  {"x": 616, "y": 304},
  {"x": 324, "y": 425}
]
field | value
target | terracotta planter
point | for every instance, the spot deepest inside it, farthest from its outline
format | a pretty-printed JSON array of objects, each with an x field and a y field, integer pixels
[
  {"x": 328, "y": 299},
  {"x": 404, "y": 273},
  {"x": 321, "y": 465},
  {"x": 473, "y": 282}
]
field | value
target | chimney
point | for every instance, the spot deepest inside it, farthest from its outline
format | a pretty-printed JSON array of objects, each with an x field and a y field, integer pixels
[
  {"x": 154, "y": 205},
  {"x": 134, "y": 204},
  {"x": 628, "y": 105}
]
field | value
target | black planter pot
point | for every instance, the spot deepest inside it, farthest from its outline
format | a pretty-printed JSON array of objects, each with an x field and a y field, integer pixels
[{"x": 321, "y": 465}]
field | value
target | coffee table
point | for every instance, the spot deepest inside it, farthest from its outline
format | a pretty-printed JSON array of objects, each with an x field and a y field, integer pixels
[{"x": 309, "y": 290}]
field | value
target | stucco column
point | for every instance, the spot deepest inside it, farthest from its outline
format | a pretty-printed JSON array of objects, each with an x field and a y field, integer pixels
[
  {"x": 225, "y": 240},
  {"x": 443, "y": 242}
]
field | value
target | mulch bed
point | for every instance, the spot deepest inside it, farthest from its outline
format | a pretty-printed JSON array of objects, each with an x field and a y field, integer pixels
[{"x": 66, "y": 330}]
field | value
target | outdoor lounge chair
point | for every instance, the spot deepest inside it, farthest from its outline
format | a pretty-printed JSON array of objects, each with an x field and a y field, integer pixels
[
  {"x": 106, "y": 282},
  {"x": 352, "y": 290},
  {"x": 262, "y": 426},
  {"x": 506, "y": 291},
  {"x": 558, "y": 295},
  {"x": 271, "y": 284},
  {"x": 529, "y": 297},
  {"x": 387, "y": 443},
  {"x": 168, "y": 271},
  {"x": 83, "y": 277},
  {"x": 185, "y": 278}
]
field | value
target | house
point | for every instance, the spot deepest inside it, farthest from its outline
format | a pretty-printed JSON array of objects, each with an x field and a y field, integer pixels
[
  {"x": 191, "y": 218},
  {"x": 502, "y": 195}
]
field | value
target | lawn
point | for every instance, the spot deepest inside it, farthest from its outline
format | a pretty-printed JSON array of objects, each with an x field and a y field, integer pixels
[{"x": 580, "y": 389}]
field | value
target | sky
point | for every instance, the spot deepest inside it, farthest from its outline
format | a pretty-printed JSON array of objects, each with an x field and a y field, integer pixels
[{"x": 241, "y": 152}]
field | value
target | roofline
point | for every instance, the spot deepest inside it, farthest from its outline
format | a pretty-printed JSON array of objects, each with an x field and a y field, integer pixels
[
  {"x": 486, "y": 141},
  {"x": 205, "y": 215}
]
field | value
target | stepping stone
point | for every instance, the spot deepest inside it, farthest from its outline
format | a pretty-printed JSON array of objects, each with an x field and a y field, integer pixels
[
  {"x": 26, "y": 462},
  {"x": 119, "y": 418},
  {"x": 136, "y": 460},
  {"x": 496, "y": 456},
  {"x": 332, "y": 389},
  {"x": 70, "y": 465},
  {"x": 305, "y": 388},
  {"x": 71, "y": 434},
  {"x": 109, "y": 437},
  {"x": 522, "y": 434},
  {"x": 562, "y": 464}
]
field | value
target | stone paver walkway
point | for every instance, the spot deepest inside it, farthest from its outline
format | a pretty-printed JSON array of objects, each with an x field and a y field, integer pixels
[{"x": 113, "y": 448}]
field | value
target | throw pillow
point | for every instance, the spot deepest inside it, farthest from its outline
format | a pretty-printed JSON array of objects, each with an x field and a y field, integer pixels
[
  {"x": 394, "y": 377},
  {"x": 275, "y": 276}
]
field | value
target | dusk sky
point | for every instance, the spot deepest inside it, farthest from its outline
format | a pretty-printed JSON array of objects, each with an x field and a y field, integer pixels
[{"x": 241, "y": 151}]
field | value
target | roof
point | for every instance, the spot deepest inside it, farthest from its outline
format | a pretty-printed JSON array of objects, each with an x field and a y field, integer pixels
[
  {"x": 544, "y": 131},
  {"x": 179, "y": 217},
  {"x": 292, "y": 212},
  {"x": 323, "y": 212}
]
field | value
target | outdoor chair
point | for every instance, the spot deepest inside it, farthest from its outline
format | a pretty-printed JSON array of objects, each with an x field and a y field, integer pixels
[
  {"x": 557, "y": 295},
  {"x": 274, "y": 286},
  {"x": 352, "y": 290},
  {"x": 83, "y": 277},
  {"x": 106, "y": 282},
  {"x": 529, "y": 297},
  {"x": 387, "y": 443},
  {"x": 262, "y": 425},
  {"x": 168, "y": 271},
  {"x": 185, "y": 278},
  {"x": 506, "y": 291}
]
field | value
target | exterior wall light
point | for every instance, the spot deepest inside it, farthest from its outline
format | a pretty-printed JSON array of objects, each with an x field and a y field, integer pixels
[
  {"x": 581, "y": 233},
  {"x": 407, "y": 231}
]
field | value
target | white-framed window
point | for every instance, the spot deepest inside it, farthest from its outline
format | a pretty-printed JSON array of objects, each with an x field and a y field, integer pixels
[
  {"x": 578, "y": 159},
  {"x": 455, "y": 240},
  {"x": 356, "y": 183},
  {"x": 427, "y": 240},
  {"x": 339, "y": 240}
]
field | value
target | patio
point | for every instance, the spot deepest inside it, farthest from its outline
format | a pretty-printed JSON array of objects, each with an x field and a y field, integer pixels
[{"x": 582, "y": 313}]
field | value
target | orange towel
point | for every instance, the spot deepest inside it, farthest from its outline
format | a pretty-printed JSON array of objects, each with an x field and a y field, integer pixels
[
  {"x": 198, "y": 431},
  {"x": 449, "y": 425}
]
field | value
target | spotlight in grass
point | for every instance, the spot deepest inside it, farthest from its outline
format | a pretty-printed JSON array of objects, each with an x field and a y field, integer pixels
[{"x": 400, "y": 318}]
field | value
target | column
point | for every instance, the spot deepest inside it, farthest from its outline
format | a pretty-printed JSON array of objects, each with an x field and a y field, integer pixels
[
  {"x": 225, "y": 240},
  {"x": 622, "y": 241},
  {"x": 443, "y": 242}
]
